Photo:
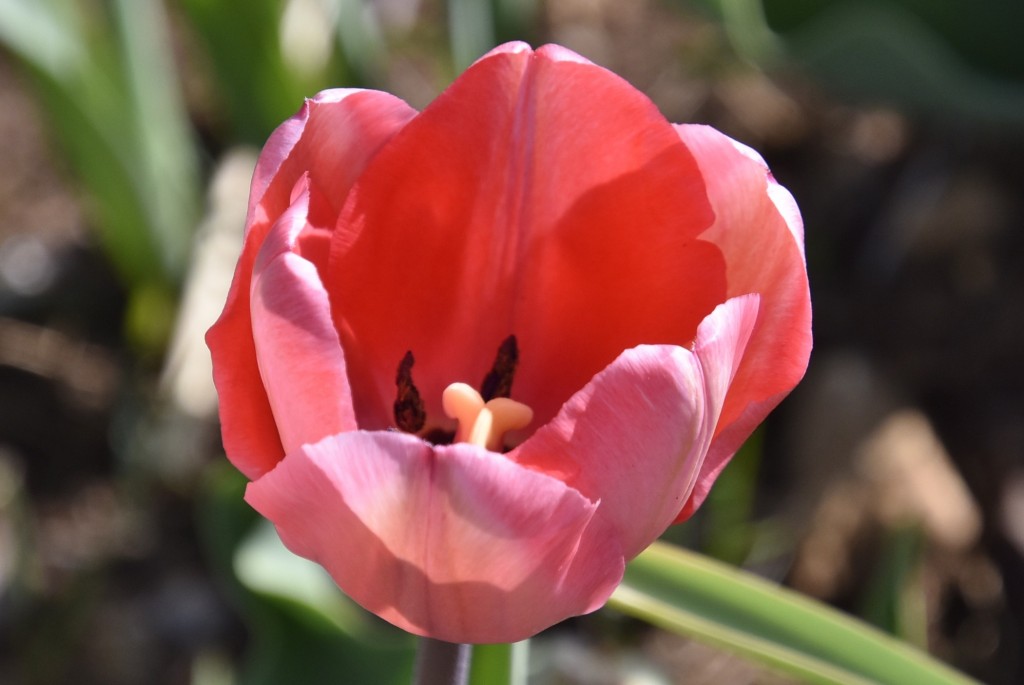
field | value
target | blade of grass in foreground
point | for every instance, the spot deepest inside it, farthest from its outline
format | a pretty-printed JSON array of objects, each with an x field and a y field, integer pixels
[{"x": 692, "y": 595}]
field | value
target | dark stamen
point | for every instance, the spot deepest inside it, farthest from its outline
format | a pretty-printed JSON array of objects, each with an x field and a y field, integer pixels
[
  {"x": 439, "y": 436},
  {"x": 498, "y": 381},
  {"x": 409, "y": 412}
]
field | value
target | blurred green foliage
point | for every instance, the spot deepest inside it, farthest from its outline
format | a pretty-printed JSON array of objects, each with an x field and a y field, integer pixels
[
  {"x": 301, "y": 628},
  {"x": 107, "y": 81},
  {"x": 945, "y": 60},
  {"x": 984, "y": 34},
  {"x": 254, "y": 80}
]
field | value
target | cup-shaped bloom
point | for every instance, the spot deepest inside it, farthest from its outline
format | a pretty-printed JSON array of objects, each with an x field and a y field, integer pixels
[{"x": 617, "y": 300}]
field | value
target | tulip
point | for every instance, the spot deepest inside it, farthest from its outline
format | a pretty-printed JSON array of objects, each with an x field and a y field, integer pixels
[{"x": 476, "y": 358}]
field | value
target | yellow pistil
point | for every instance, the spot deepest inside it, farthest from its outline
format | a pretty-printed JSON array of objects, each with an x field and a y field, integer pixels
[{"x": 483, "y": 423}]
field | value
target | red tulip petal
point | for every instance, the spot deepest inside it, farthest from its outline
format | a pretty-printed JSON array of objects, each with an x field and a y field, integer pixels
[
  {"x": 453, "y": 542},
  {"x": 540, "y": 196},
  {"x": 298, "y": 351},
  {"x": 331, "y": 138},
  {"x": 760, "y": 233},
  {"x": 635, "y": 437}
]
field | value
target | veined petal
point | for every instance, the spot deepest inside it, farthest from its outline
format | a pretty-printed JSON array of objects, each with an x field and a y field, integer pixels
[
  {"x": 453, "y": 542},
  {"x": 331, "y": 138},
  {"x": 543, "y": 196},
  {"x": 637, "y": 435},
  {"x": 760, "y": 234},
  {"x": 297, "y": 349}
]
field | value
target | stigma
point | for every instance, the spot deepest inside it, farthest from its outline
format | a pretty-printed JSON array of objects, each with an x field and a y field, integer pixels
[{"x": 483, "y": 423}]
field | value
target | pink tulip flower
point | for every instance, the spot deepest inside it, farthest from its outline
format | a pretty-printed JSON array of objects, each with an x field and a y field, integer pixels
[{"x": 476, "y": 358}]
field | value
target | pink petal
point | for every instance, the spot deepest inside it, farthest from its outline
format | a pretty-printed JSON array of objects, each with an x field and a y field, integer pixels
[
  {"x": 331, "y": 138},
  {"x": 760, "y": 234},
  {"x": 298, "y": 351},
  {"x": 548, "y": 199},
  {"x": 637, "y": 435},
  {"x": 452, "y": 542}
]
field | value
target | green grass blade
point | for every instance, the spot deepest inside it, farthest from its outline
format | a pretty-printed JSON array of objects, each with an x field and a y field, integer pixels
[{"x": 694, "y": 596}]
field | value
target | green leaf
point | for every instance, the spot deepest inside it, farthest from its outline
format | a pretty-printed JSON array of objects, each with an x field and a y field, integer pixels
[
  {"x": 694, "y": 596},
  {"x": 894, "y": 600}
]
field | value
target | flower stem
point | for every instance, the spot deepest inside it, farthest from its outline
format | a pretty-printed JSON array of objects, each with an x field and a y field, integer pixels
[{"x": 441, "y": 663}]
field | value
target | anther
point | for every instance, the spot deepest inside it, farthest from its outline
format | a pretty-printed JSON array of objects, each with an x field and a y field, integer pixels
[
  {"x": 498, "y": 381},
  {"x": 410, "y": 416}
]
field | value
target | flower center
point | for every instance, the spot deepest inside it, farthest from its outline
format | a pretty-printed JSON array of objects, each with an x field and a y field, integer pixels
[
  {"x": 483, "y": 423},
  {"x": 483, "y": 417}
]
